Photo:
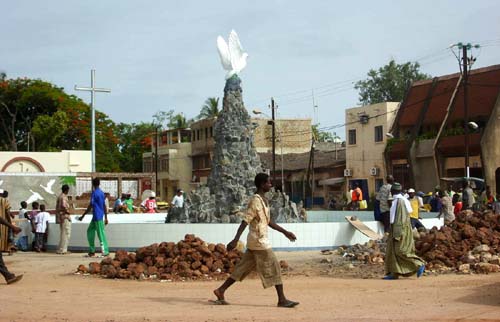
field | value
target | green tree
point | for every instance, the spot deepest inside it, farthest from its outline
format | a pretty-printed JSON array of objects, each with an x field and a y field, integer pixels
[
  {"x": 178, "y": 121},
  {"x": 134, "y": 140},
  {"x": 53, "y": 120},
  {"x": 22, "y": 100},
  {"x": 389, "y": 83},
  {"x": 210, "y": 108},
  {"x": 48, "y": 131},
  {"x": 321, "y": 136},
  {"x": 162, "y": 118}
]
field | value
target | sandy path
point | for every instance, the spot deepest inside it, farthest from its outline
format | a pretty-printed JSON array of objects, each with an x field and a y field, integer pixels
[{"x": 50, "y": 292}]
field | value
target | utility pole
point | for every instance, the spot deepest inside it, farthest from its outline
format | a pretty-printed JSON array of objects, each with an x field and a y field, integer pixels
[
  {"x": 156, "y": 162},
  {"x": 466, "y": 110},
  {"x": 465, "y": 63},
  {"x": 273, "y": 124}
]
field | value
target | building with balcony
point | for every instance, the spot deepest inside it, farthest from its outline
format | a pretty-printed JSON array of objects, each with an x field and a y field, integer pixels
[
  {"x": 430, "y": 130},
  {"x": 366, "y": 129},
  {"x": 170, "y": 160}
]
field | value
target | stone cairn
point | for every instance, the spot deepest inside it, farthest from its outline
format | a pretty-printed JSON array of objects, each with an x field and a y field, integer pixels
[
  {"x": 190, "y": 258},
  {"x": 234, "y": 166},
  {"x": 471, "y": 244}
]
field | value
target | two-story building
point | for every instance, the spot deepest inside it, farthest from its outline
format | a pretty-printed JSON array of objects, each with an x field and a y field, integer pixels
[
  {"x": 366, "y": 129},
  {"x": 184, "y": 156},
  {"x": 170, "y": 160}
]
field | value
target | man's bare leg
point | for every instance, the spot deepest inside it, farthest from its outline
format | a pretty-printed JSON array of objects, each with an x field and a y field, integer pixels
[
  {"x": 282, "y": 300},
  {"x": 222, "y": 289}
]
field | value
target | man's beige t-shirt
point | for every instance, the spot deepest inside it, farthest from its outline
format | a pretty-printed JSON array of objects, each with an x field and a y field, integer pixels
[{"x": 257, "y": 217}]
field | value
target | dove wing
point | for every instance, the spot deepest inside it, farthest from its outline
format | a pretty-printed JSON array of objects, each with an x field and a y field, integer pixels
[
  {"x": 225, "y": 57},
  {"x": 235, "y": 50},
  {"x": 51, "y": 183}
]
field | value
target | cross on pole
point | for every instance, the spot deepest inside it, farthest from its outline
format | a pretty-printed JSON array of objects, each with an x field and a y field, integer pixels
[{"x": 92, "y": 89}]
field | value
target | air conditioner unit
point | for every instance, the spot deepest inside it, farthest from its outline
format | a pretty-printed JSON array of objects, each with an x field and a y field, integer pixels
[
  {"x": 374, "y": 171},
  {"x": 363, "y": 118},
  {"x": 347, "y": 173}
]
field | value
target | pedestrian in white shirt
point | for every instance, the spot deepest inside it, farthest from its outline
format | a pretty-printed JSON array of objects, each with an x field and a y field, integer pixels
[
  {"x": 178, "y": 201},
  {"x": 41, "y": 228}
]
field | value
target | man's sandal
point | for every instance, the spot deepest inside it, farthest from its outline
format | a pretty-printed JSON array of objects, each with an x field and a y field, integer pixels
[
  {"x": 15, "y": 279},
  {"x": 219, "y": 302},
  {"x": 288, "y": 304}
]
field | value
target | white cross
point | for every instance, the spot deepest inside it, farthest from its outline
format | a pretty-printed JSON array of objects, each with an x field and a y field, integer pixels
[{"x": 92, "y": 89}]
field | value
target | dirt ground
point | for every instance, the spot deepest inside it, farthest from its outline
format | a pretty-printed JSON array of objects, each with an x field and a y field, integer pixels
[{"x": 50, "y": 291}]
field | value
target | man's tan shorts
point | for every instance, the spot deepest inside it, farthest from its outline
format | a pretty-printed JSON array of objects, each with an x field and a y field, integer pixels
[{"x": 264, "y": 262}]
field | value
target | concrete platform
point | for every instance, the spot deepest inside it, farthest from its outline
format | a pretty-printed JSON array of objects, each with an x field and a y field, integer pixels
[{"x": 131, "y": 231}]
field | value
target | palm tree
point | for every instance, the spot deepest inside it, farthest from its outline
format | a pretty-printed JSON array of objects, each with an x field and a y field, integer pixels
[
  {"x": 210, "y": 108},
  {"x": 178, "y": 121}
]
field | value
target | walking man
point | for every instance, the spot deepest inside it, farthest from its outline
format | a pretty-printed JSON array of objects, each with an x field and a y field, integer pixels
[
  {"x": 259, "y": 255},
  {"x": 100, "y": 212},
  {"x": 400, "y": 258},
  {"x": 63, "y": 219},
  {"x": 9, "y": 277},
  {"x": 383, "y": 197}
]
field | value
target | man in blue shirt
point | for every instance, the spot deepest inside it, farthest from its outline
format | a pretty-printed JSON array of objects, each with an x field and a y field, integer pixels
[{"x": 100, "y": 212}]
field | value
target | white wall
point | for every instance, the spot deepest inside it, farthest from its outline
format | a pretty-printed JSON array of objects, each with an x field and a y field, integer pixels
[
  {"x": 64, "y": 161},
  {"x": 124, "y": 232}
]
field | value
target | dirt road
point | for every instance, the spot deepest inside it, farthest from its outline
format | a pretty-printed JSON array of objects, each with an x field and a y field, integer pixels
[{"x": 51, "y": 292}]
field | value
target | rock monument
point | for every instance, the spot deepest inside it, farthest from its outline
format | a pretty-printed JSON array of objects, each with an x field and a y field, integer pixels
[{"x": 235, "y": 161}]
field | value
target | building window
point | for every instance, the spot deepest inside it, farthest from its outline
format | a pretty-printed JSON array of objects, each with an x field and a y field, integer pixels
[
  {"x": 164, "y": 164},
  {"x": 147, "y": 165},
  {"x": 211, "y": 131},
  {"x": 208, "y": 162},
  {"x": 379, "y": 133},
  {"x": 206, "y": 133},
  {"x": 193, "y": 136},
  {"x": 197, "y": 135},
  {"x": 352, "y": 137}
]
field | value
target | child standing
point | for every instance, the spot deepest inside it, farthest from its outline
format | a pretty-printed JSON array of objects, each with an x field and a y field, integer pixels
[
  {"x": 41, "y": 228},
  {"x": 25, "y": 225}
]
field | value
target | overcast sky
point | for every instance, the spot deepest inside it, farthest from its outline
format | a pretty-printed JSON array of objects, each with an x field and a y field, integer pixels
[{"x": 161, "y": 55}]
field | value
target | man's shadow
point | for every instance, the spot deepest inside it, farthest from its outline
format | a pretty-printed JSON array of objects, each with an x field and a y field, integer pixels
[{"x": 197, "y": 300}]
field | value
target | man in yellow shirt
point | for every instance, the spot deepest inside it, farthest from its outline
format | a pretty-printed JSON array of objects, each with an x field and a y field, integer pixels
[
  {"x": 415, "y": 205},
  {"x": 259, "y": 255}
]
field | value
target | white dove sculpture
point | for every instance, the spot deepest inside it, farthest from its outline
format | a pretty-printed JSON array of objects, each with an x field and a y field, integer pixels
[
  {"x": 35, "y": 196},
  {"x": 48, "y": 188},
  {"x": 231, "y": 54}
]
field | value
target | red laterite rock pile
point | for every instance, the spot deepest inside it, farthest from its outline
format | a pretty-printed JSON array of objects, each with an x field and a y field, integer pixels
[
  {"x": 190, "y": 258},
  {"x": 470, "y": 244}
]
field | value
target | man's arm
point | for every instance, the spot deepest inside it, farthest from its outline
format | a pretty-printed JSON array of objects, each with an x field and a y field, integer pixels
[
  {"x": 85, "y": 212},
  {"x": 4, "y": 222},
  {"x": 288, "y": 234},
  {"x": 105, "y": 213},
  {"x": 240, "y": 231}
]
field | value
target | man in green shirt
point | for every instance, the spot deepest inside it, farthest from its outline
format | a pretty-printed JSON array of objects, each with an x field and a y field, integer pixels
[{"x": 129, "y": 202}]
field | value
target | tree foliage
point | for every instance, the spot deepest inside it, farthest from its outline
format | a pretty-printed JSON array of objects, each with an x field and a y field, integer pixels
[
  {"x": 162, "y": 118},
  {"x": 48, "y": 131},
  {"x": 178, "y": 121},
  {"x": 210, "y": 108},
  {"x": 135, "y": 139},
  {"x": 53, "y": 120},
  {"x": 389, "y": 83},
  {"x": 321, "y": 136}
]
